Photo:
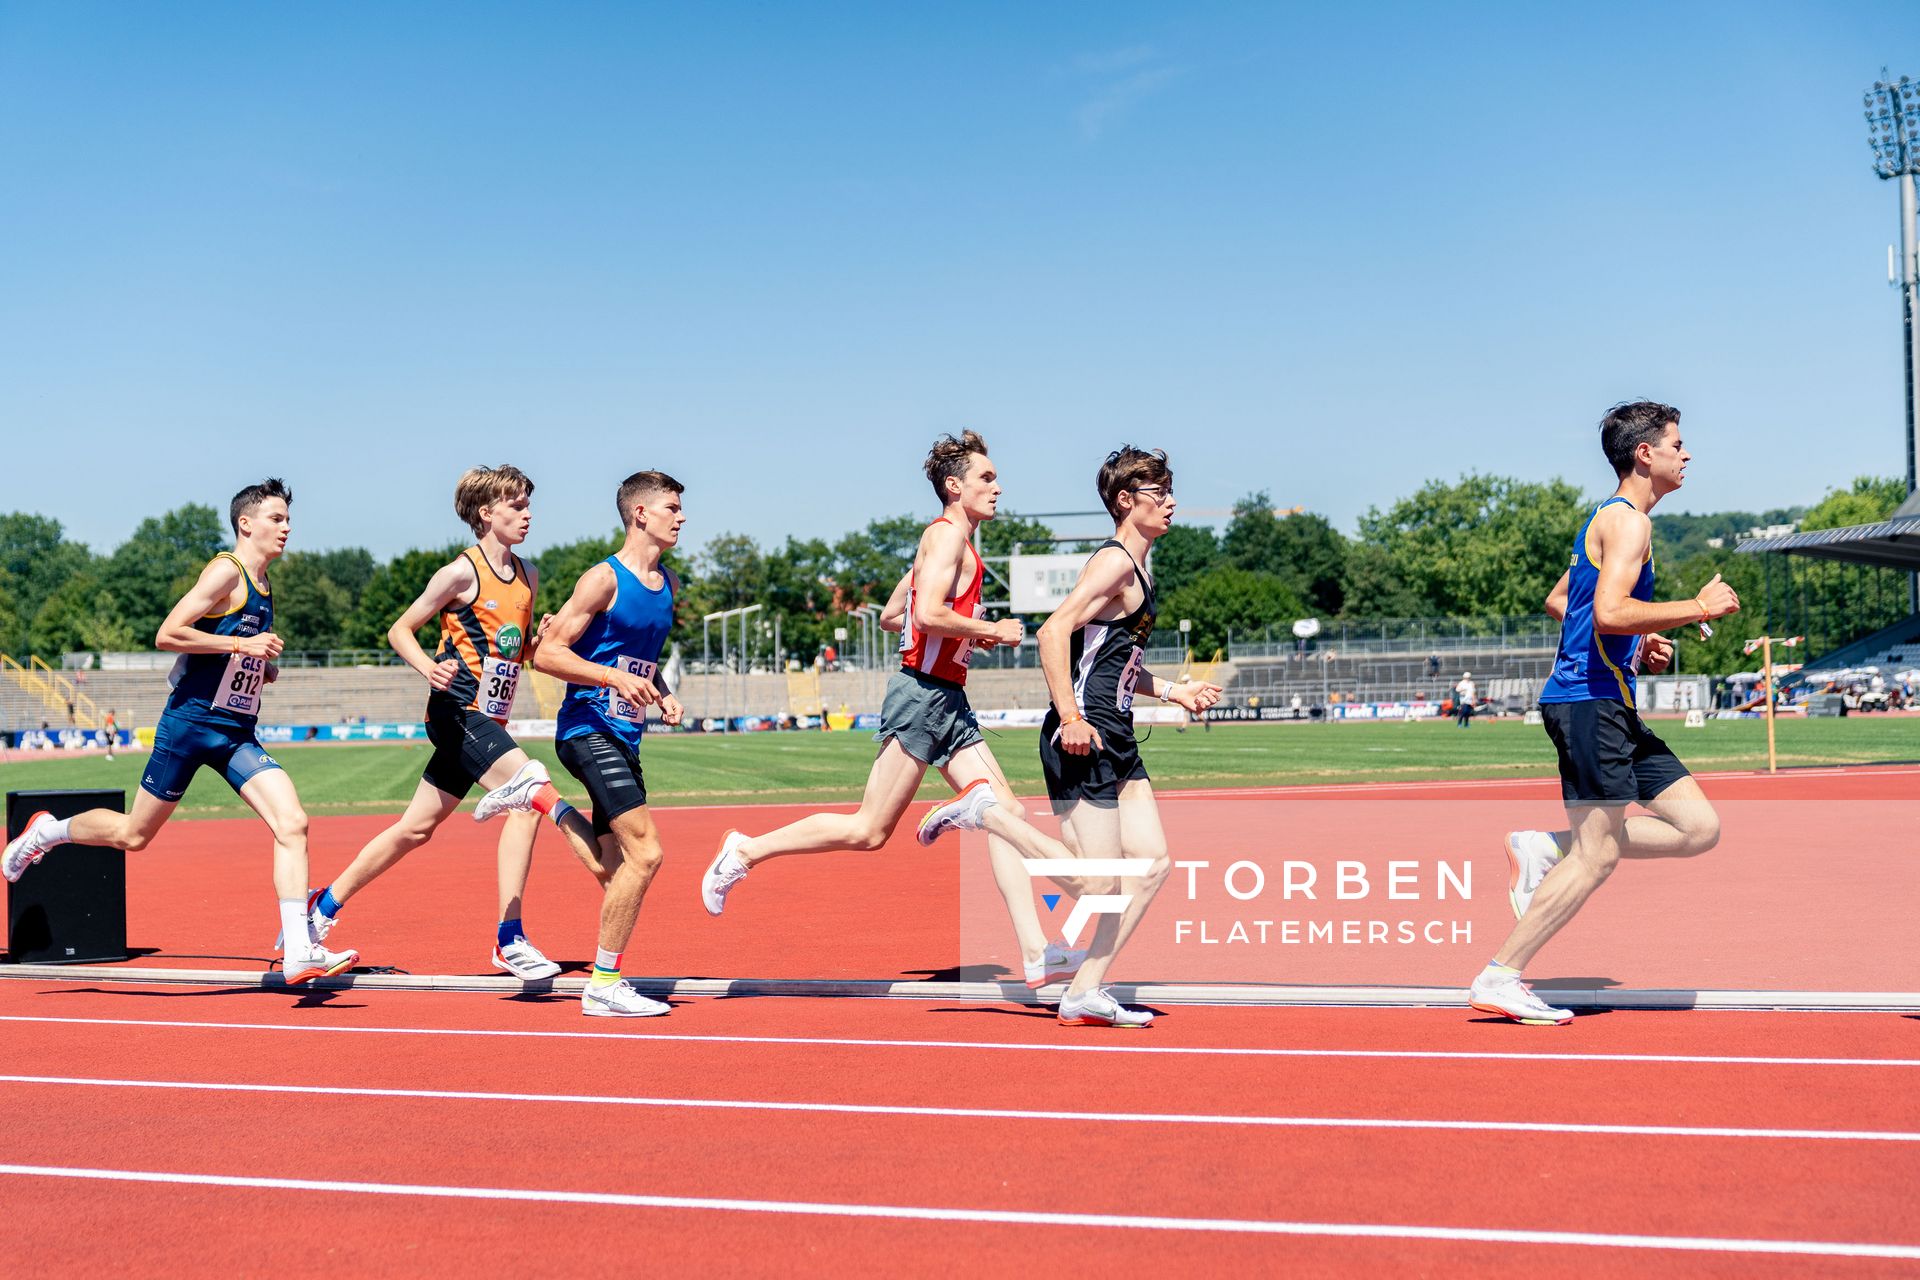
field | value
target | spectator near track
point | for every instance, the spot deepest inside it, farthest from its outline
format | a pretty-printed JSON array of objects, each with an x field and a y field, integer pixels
[
  {"x": 925, "y": 721},
  {"x": 1091, "y": 648},
  {"x": 223, "y": 631},
  {"x": 1463, "y": 695},
  {"x": 485, "y": 602},
  {"x": 606, "y": 643},
  {"x": 1608, "y": 757}
]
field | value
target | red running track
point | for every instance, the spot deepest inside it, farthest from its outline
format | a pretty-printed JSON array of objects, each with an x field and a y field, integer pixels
[
  {"x": 1795, "y": 897},
  {"x": 1624, "y": 1130}
]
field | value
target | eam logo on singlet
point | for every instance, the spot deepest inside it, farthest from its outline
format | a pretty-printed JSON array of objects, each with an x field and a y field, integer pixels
[
  {"x": 509, "y": 640},
  {"x": 1089, "y": 905}
]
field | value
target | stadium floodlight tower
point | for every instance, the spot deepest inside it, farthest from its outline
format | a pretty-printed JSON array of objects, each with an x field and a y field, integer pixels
[{"x": 1893, "y": 131}]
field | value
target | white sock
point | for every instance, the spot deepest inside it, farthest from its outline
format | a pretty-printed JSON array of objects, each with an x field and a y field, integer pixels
[
  {"x": 53, "y": 833},
  {"x": 293, "y": 926}
]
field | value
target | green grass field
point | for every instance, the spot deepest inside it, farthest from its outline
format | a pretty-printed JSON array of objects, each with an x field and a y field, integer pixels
[{"x": 764, "y": 768}]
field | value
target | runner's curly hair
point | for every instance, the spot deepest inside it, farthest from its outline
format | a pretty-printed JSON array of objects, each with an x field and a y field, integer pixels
[{"x": 949, "y": 458}]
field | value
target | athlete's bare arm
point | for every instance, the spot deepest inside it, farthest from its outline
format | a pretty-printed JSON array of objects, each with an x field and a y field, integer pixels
[
  {"x": 212, "y": 592},
  {"x": 449, "y": 583},
  {"x": 937, "y": 563},
  {"x": 894, "y": 616},
  {"x": 1195, "y": 695},
  {"x": 671, "y": 712},
  {"x": 1624, "y": 537},
  {"x": 1557, "y": 598},
  {"x": 532, "y": 644},
  {"x": 1100, "y": 588},
  {"x": 594, "y": 593}
]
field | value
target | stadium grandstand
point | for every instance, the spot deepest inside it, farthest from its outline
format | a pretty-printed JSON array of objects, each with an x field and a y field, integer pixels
[
  {"x": 1890, "y": 544},
  {"x": 1399, "y": 660}
]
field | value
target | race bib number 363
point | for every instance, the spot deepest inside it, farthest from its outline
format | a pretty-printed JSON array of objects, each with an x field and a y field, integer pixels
[
  {"x": 499, "y": 677},
  {"x": 618, "y": 707},
  {"x": 240, "y": 685}
]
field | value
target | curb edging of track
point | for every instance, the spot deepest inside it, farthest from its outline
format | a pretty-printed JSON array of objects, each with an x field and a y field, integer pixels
[{"x": 997, "y": 992}]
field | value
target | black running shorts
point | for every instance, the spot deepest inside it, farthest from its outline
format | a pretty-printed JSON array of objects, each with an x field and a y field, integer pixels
[
  {"x": 1607, "y": 753},
  {"x": 465, "y": 744},
  {"x": 1094, "y": 778},
  {"x": 610, "y": 771}
]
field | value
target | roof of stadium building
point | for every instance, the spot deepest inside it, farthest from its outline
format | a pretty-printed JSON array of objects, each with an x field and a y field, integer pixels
[{"x": 1893, "y": 543}]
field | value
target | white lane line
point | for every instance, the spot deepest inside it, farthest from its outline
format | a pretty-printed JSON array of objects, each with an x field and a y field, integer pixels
[
  {"x": 988, "y": 1113},
  {"x": 929, "y": 1213},
  {"x": 1282, "y": 790},
  {"x": 1542, "y": 781},
  {"x": 851, "y": 1042}
]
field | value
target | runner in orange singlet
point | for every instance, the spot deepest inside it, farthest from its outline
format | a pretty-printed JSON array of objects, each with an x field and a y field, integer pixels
[{"x": 485, "y": 603}]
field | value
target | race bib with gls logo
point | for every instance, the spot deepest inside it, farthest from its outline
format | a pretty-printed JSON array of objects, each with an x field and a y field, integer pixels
[
  {"x": 240, "y": 685},
  {"x": 618, "y": 707}
]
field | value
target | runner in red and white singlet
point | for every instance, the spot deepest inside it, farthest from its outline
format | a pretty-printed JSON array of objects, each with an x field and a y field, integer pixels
[
  {"x": 943, "y": 657},
  {"x": 926, "y": 723}
]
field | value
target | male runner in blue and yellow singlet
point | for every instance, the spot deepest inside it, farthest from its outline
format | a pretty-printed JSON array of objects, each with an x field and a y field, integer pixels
[
  {"x": 223, "y": 631},
  {"x": 606, "y": 643},
  {"x": 1609, "y": 759}
]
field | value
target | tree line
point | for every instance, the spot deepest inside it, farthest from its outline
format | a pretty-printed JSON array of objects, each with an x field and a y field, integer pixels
[{"x": 1480, "y": 547}]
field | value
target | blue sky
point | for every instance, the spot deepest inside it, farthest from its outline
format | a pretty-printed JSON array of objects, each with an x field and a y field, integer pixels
[{"x": 774, "y": 249}]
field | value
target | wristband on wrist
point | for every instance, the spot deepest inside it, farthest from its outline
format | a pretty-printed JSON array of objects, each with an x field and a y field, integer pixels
[
  {"x": 1706, "y": 614},
  {"x": 1072, "y": 717}
]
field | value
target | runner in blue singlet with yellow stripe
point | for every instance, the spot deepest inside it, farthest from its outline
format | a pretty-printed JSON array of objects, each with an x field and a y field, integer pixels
[
  {"x": 1609, "y": 631},
  {"x": 1590, "y": 665},
  {"x": 222, "y": 630}
]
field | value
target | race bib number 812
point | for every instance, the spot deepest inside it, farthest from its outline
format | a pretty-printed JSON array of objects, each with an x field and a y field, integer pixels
[{"x": 240, "y": 685}]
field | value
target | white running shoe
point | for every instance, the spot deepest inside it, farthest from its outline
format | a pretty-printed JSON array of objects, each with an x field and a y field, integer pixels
[
  {"x": 26, "y": 848},
  {"x": 1098, "y": 1008},
  {"x": 319, "y": 924},
  {"x": 965, "y": 812},
  {"x": 315, "y": 961},
  {"x": 725, "y": 871},
  {"x": 1511, "y": 998},
  {"x": 515, "y": 795},
  {"x": 1059, "y": 964},
  {"x": 1530, "y": 855},
  {"x": 618, "y": 1000},
  {"x": 523, "y": 960}
]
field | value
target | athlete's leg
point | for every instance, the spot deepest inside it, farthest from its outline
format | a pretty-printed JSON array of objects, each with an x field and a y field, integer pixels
[
  {"x": 1598, "y": 835},
  {"x": 1132, "y": 829},
  {"x": 1007, "y": 819},
  {"x": 429, "y": 808},
  {"x": 1683, "y": 825},
  {"x": 516, "y": 861},
  {"x": 635, "y": 859},
  {"x": 1009, "y": 839},
  {"x": 546, "y": 803},
  {"x": 130, "y": 831},
  {"x": 890, "y": 788},
  {"x": 270, "y": 793}
]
